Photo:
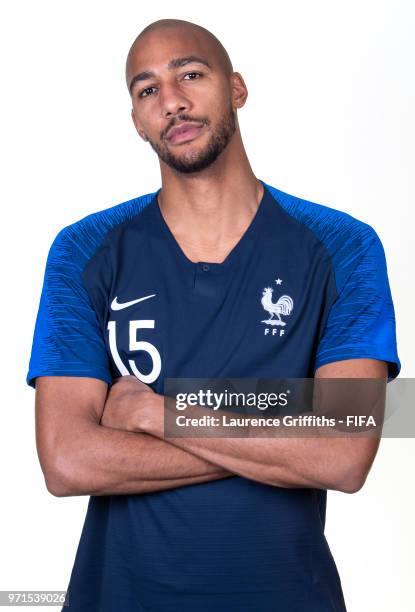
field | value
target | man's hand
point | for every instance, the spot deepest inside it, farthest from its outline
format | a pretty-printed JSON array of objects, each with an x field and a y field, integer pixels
[{"x": 126, "y": 399}]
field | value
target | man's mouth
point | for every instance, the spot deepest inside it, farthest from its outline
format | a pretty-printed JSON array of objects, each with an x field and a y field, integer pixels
[{"x": 184, "y": 132}]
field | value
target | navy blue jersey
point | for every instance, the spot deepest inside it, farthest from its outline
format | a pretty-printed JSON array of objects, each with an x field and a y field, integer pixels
[{"x": 305, "y": 285}]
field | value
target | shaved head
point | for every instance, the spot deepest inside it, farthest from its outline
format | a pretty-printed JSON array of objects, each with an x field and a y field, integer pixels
[
  {"x": 182, "y": 28},
  {"x": 184, "y": 93}
]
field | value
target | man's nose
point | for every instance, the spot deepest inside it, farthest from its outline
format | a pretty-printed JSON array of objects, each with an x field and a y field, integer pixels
[{"x": 172, "y": 100}]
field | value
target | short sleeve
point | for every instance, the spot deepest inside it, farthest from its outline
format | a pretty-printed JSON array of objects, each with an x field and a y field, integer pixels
[
  {"x": 67, "y": 338},
  {"x": 361, "y": 320}
]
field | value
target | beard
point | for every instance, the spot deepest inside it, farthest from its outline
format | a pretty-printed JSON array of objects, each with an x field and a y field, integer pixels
[{"x": 196, "y": 162}]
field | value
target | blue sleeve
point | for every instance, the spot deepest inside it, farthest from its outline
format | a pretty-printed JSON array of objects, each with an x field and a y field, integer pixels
[
  {"x": 361, "y": 321},
  {"x": 67, "y": 338}
]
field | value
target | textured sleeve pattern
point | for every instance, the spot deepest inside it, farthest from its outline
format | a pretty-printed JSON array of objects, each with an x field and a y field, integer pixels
[
  {"x": 67, "y": 340},
  {"x": 361, "y": 322}
]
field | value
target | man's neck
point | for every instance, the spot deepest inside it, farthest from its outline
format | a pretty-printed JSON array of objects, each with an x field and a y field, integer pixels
[
  {"x": 208, "y": 212},
  {"x": 210, "y": 233}
]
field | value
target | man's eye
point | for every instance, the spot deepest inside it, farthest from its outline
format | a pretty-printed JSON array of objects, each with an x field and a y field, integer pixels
[
  {"x": 192, "y": 73},
  {"x": 145, "y": 91}
]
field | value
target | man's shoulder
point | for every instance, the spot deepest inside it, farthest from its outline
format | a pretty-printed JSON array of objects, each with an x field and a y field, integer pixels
[
  {"x": 81, "y": 239},
  {"x": 349, "y": 242},
  {"x": 329, "y": 225},
  {"x": 96, "y": 225},
  {"x": 339, "y": 232}
]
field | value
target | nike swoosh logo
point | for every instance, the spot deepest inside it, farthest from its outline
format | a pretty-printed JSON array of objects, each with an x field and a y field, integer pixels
[{"x": 115, "y": 305}]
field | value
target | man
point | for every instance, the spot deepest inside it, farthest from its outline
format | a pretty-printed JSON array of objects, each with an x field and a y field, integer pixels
[{"x": 184, "y": 282}]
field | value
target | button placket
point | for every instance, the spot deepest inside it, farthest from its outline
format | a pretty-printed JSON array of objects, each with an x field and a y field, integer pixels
[{"x": 205, "y": 280}]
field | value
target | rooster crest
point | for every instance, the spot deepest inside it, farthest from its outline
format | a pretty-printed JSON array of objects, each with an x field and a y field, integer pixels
[{"x": 283, "y": 306}]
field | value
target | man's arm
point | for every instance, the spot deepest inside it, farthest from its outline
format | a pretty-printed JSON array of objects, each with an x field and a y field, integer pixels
[
  {"x": 79, "y": 456},
  {"x": 337, "y": 463}
]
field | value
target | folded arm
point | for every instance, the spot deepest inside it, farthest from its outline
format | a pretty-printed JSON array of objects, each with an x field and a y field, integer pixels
[
  {"x": 339, "y": 463},
  {"x": 81, "y": 456}
]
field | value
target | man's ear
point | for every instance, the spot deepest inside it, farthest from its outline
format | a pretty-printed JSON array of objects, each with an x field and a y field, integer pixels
[
  {"x": 239, "y": 90},
  {"x": 138, "y": 126}
]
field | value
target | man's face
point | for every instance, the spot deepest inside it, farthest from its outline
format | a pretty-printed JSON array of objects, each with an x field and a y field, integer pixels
[{"x": 186, "y": 91}]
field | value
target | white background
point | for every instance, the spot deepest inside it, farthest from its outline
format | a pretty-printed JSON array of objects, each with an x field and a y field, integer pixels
[{"x": 329, "y": 117}]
